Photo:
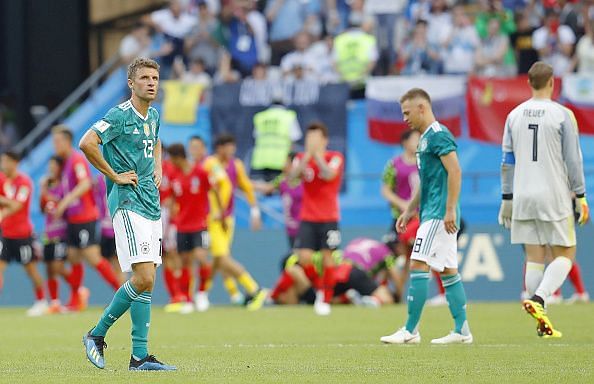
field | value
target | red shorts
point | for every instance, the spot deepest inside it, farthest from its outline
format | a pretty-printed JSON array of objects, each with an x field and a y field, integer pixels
[{"x": 408, "y": 237}]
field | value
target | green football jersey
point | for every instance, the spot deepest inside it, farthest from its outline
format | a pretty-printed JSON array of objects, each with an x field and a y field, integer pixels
[
  {"x": 128, "y": 142},
  {"x": 435, "y": 142}
]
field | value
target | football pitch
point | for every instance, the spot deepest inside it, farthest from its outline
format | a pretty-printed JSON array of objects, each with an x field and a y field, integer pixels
[{"x": 292, "y": 345}]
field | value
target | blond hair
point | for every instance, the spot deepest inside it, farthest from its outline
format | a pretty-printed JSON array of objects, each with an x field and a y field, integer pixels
[
  {"x": 415, "y": 93},
  {"x": 141, "y": 62}
]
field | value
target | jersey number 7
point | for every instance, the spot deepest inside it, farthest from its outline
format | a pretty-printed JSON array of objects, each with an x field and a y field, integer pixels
[{"x": 534, "y": 129}]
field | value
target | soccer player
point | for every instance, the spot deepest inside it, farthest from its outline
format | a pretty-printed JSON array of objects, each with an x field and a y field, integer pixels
[
  {"x": 197, "y": 149},
  {"x": 107, "y": 243},
  {"x": 17, "y": 229},
  {"x": 131, "y": 160},
  {"x": 353, "y": 285},
  {"x": 191, "y": 186},
  {"x": 541, "y": 169},
  {"x": 171, "y": 260},
  {"x": 435, "y": 246},
  {"x": 54, "y": 235},
  {"x": 79, "y": 207},
  {"x": 221, "y": 223},
  {"x": 399, "y": 181},
  {"x": 291, "y": 193},
  {"x": 321, "y": 171}
]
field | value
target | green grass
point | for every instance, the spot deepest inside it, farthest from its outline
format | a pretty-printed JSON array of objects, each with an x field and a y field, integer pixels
[{"x": 282, "y": 345}]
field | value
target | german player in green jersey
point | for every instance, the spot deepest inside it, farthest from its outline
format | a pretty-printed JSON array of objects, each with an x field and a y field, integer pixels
[
  {"x": 131, "y": 162},
  {"x": 435, "y": 245}
]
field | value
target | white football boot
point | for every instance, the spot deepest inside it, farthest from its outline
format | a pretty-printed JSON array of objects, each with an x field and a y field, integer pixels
[
  {"x": 402, "y": 336},
  {"x": 453, "y": 338}
]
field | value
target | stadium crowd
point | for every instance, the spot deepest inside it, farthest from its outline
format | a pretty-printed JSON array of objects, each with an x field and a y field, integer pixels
[{"x": 218, "y": 41}]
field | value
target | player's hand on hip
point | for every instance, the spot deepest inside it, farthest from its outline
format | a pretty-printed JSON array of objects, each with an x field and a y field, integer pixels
[
  {"x": 449, "y": 221},
  {"x": 127, "y": 178},
  {"x": 402, "y": 222},
  {"x": 582, "y": 209},
  {"x": 505, "y": 213},
  {"x": 158, "y": 177}
]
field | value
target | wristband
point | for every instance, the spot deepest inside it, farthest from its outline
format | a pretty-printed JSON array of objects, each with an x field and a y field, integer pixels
[
  {"x": 507, "y": 196},
  {"x": 255, "y": 213}
]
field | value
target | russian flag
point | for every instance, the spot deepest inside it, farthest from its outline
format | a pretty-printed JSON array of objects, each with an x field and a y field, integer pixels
[
  {"x": 577, "y": 94},
  {"x": 384, "y": 117}
]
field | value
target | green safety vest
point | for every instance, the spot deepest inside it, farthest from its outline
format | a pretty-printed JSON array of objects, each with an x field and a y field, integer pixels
[
  {"x": 273, "y": 138},
  {"x": 353, "y": 55}
]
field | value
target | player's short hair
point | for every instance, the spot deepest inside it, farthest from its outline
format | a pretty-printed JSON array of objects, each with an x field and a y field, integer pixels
[
  {"x": 14, "y": 155},
  {"x": 177, "y": 150},
  {"x": 291, "y": 156},
  {"x": 141, "y": 62},
  {"x": 224, "y": 139},
  {"x": 407, "y": 134},
  {"x": 196, "y": 137},
  {"x": 415, "y": 93},
  {"x": 58, "y": 160},
  {"x": 539, "y": 75},
  {"x": 318, "y": 126},
  {"x": 63, "y": 130}
]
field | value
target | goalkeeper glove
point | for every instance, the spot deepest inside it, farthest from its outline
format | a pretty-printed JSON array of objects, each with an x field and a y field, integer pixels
[
  {"x": 581, "y": 209},
  {"x": 505, "y": 211}
]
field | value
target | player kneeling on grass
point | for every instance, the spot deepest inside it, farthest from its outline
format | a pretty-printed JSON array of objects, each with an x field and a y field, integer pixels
[
  {"x": 353, "y": 285},
  {"x": 542, "y": 167},
  {"x": 435, "y": 246},
  {"x": 131, "y": 161}
]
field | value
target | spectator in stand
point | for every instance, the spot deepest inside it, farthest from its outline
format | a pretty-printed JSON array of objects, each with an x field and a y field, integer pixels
[
  {"x": 521, "y": 41},
  {"x": 570, "y": 14},
  {"x": 439, "y": 23},
  {"x": 200, "y": 44},
  {"x": 418, "y": 10},
  {"x": 301, "y": 57},
  {"x": 260, "y": 27},
  {"x": 493, "y": 9},
  {"x": 259, "y": 72},
  {"x": 386, "y": 14},
  {"x": 195, "y": 73},
  {"x": 355, "y": 55},
  {"x": 554, "y": 43},
  {"x": 321, "y": 53},
  {"x": 490, "y": 57},
  {"x": 584, "y": 53},
  {"x": 418, "y": 56},
  {"x": 175, "y": 24},
  {"x": 225, "y": 73},
  {"x": 242, "y": 41},
  {"x": 286, "y": 19},
  {"x": 139, "y": 43},
  {"x": 461, "y": 43}
]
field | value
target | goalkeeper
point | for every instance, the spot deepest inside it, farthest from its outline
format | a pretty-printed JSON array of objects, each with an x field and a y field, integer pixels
[{"x": 542, "y": 168}]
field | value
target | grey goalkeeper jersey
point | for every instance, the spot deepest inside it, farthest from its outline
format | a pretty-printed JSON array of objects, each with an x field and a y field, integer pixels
[{"x": 543, "y": 137}]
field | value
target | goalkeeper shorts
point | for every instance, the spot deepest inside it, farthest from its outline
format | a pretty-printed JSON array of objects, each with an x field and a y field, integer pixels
[{"x": 540, "y": 232}]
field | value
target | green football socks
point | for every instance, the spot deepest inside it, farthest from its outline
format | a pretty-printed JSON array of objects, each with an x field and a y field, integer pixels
[
  {"x": 456, "y": 301},
  {"x": 119, "y": 305},
  {"x": 140, "y": 312},
  {"x": 417, "y": 295}
]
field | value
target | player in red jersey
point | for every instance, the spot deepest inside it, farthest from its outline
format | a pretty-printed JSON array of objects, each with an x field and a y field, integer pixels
[
  {"x": 79, "y": 207},
  {"x": 321, "y": 171},
  {"x": 171, "y": 260},
  {"x": 197, "y": 149},
  {"x": 17, "y": 230},
  {"x": 191, "y": 186}
]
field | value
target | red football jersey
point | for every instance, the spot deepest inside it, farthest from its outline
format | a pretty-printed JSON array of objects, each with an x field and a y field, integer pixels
[
  {"x": 18, "y": 225},
  {"x": 76, "y": 169},
  {"x": 191, "y": 195},
  {"x": 320, "y": 197},
  {"x": 168, "y": 173}
]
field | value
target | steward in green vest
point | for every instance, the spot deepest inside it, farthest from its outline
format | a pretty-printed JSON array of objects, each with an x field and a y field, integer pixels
[
  {"x": 355, "y": 53},
  {"x": 274, "y": 134}
]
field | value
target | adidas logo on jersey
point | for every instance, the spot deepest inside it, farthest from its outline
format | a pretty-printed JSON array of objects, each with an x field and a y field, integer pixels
[{"x": 136, "y": 131}]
